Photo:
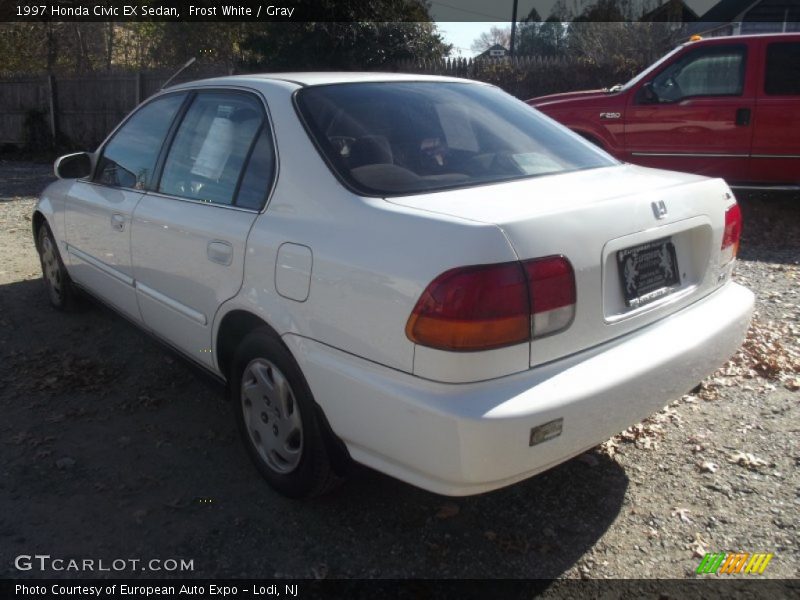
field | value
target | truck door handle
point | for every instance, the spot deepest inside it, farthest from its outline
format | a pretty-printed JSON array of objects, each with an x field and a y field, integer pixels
[
  {"x": 743, "y": 116},
  {"x": 118, "y": 222},
  {"x": 220, "y": 252}
]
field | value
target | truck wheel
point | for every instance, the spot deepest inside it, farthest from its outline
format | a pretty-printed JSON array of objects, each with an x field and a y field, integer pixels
[
  {"x": 277, "y": 418},
  {"x": 591, "y": 139}
]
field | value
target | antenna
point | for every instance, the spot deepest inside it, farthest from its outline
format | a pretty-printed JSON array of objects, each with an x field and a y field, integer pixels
[{"x": 189, "y": 63}]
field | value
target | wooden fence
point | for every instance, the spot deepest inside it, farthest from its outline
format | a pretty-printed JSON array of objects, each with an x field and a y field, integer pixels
[
  {"x": 74, "y": 112},
  {"x": 39, "y": 112}
]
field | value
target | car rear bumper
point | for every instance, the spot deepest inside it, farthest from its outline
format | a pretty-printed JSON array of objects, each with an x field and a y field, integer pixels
[{"x": 461, "y": 439}]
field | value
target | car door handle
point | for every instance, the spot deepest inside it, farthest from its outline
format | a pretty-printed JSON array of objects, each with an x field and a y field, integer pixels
[
  {"x": 220, "y": 252},
  {"x": 743, "y": 117},
  {"x": 118, "y": 222}
]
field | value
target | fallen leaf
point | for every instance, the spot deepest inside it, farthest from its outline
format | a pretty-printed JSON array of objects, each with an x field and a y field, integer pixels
[
  {"x": 745, "y": 459},
  {"x": 683, "y": 513},
  {"x": 707, "y": 466},
  {"x": 446, "y": 511},
  {"x": 320, "y": 571},
  {"x": 610, "y": 448},
  {"x": 515, "y": 543},
  {"x": 65, "y": 463},
  {"x": 699, "y": 546},
  {"x": 20, "y": 437}
]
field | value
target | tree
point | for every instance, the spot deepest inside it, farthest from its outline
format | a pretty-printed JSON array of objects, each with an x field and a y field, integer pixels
[
  {"x": 495, "y": 36},
  {"x": 541, "y": 39},
  {"x": 170, "y": 44},
  {"x": 602, "y": 32},
  {"x": 337, "y": 45},
  {"x": 605, "y": 11},
  {"x": 74, "y": 47},
  {"x": 368, "y": 36},
  {"x": 363, "y": 36}
]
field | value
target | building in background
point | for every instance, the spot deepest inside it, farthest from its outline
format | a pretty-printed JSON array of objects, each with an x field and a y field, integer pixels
[
  {"x": 672, "y": 11},
  {"x": 734, "y": 17},
  {"x": 496, "y": 51}
]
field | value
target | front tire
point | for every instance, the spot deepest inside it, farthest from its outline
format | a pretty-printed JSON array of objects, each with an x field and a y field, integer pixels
[
  {"x": 60, "y": 290},
  {"x": 278, "y": 419}
]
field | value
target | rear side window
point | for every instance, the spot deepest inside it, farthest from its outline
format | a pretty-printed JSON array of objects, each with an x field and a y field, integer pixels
[
  {"x": 258, "y": 176},
  {"x": 129, "y": 158},
  {"x": 395, "y": 138},
  {"x": 211, "y": 147},
  {"x": 783, "y": 69},
  {"x": 713, "y": 71}
]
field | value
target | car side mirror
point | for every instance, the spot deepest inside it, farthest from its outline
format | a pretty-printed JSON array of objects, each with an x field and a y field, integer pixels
[
  {"x": 73, "y": 166},
  {"x": 647, "y": 95}
]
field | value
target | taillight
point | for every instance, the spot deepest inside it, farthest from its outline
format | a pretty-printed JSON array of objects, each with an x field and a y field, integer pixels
[
  {"x": 552, "y": 291},
  {"x": 490, "y": 306},
  {"x": 473, "y": 308},
  {"x": 732, "y": 233}
]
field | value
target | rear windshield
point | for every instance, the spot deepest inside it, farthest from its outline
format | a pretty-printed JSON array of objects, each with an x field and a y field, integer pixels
[{"x": 410, "y": 137}]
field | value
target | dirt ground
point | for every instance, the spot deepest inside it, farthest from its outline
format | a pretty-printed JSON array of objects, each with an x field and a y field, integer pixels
[{"x": 110, "y": 447}]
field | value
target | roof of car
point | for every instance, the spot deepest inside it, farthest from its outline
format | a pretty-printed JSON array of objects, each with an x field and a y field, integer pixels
[
  {"x": 325, "y": 77},
  {"x": 785, "y": 36}
]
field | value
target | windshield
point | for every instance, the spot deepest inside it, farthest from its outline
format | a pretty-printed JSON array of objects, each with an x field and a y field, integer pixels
[
  {"x": 650, "y": 69},
  {"x": 409, "y": 137}
]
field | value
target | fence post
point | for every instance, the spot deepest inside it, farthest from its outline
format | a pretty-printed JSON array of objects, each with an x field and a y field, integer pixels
[
  {"x": 139, "y": 90},
  {"x": 51, "y": 89}
]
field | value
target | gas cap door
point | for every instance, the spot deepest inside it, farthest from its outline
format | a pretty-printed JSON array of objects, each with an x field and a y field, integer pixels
[{"x": 293, "y": 271}]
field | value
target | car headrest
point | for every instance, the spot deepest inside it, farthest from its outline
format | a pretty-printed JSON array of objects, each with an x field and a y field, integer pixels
[{"x": 370, "y": 150}]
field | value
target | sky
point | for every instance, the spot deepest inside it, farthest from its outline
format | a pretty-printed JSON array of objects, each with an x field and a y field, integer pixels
[{"x": 462, "y": 33}]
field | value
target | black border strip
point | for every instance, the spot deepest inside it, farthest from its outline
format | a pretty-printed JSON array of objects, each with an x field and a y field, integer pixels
[
  {"x": 701, "y": 588},
  {"x": 287, "y": 11}
]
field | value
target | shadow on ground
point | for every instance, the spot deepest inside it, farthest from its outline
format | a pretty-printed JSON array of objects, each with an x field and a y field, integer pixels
[
  {"x": 24, "y": 178},
  {"x": 111, "y": 448}
]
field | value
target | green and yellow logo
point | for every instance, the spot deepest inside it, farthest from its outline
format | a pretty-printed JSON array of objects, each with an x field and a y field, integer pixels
[{"x": 723, "y": 563}]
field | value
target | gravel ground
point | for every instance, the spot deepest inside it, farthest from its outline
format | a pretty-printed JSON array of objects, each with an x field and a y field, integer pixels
[{"x": 112, "y": 448}]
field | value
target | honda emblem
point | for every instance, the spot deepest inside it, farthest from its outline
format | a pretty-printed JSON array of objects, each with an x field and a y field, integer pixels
[{"x": 659, "y": 209}]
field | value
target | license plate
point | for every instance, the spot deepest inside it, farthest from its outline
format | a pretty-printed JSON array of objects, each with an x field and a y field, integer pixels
[{"x": 648, "y": 271}]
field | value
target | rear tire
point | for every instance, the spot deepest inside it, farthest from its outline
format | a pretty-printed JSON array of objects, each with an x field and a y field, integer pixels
[
  {"x": 278, "y": 419},
  {"x": 60, "y": 290}
]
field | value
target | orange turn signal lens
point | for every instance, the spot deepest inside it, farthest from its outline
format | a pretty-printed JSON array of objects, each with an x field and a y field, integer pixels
[
  {"x": 473, "y": 308},
  {"x": 489, "y": 306}
]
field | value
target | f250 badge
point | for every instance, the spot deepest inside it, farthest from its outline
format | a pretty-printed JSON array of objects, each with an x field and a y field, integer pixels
[{"x": 610, "y": 115}]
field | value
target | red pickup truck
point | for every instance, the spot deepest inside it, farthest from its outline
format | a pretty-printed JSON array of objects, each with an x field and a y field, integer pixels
[{"x": 725, "y": 107}]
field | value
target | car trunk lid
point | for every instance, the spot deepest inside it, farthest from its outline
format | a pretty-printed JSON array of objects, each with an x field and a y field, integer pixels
[{"x": 608, "y": 222}]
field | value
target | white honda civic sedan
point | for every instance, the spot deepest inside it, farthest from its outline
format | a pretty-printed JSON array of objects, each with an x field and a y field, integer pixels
[{"x": 421, "y": 274}]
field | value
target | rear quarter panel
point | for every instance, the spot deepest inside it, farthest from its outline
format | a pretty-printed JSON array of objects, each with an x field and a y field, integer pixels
[{"x": 371, "y": 259}]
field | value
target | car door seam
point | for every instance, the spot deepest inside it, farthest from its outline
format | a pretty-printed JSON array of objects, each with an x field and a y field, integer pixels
[{"x": 99, "y": 264}]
